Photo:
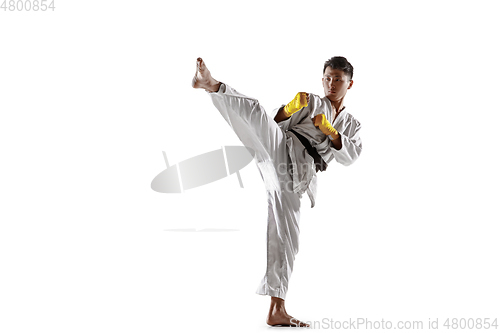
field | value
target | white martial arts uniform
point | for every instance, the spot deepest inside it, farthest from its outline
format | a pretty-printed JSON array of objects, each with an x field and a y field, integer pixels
[{"x": 286, "y": 168}]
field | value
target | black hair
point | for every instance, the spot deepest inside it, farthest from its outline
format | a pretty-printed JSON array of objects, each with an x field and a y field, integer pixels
[{"x": 340, "y": 63}]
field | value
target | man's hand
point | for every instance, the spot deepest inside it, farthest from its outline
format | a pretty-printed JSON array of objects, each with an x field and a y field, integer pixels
[
  {"x": 301, "y": 100},
  {"x": 324, "y": 125}
]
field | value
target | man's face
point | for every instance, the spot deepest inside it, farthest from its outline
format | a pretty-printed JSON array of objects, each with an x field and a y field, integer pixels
[{"x": 335, "y": 84}]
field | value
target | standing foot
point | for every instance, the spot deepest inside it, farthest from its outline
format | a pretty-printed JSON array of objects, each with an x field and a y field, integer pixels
[
  {"x": 203, "y": 79},
  {"x": 278, "y": 317}
]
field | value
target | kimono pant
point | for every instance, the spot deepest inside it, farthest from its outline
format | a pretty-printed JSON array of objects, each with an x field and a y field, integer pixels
[{"x": 258, "y": 131}]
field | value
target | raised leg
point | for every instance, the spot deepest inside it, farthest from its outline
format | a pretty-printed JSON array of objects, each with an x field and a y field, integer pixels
[{"x": 258, "y": 131}]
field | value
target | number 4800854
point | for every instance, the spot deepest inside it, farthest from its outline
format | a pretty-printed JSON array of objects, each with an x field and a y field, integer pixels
[{"x": 27, "y": 5}]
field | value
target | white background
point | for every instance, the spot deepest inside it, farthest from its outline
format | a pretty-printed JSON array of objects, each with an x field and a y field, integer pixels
[{"x": 93, "y": 92}]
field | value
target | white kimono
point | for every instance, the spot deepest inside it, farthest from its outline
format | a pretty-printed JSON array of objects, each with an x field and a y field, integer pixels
[
  {"x": 301, "y": 122},
  {"x": 286, "y": 168}
]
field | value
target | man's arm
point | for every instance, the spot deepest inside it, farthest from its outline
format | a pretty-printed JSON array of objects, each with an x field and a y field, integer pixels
[
  {"x": 345, "y": 147},
  {"x": 351, "y": 145},
  {"x": 281, "y": 115},
  {"x": 337, "y": 143}
]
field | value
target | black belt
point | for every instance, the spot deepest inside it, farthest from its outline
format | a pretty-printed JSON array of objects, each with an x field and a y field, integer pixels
[{"x": 321, "y": 165}]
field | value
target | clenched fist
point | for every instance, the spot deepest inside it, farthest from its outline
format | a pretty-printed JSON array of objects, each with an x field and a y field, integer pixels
[
  {"x": 324, "y": 125},
  {"x": 301, "y": 100}
]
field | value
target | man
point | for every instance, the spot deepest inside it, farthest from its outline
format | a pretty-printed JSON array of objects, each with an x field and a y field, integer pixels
[{"x": 305, "y": 135}]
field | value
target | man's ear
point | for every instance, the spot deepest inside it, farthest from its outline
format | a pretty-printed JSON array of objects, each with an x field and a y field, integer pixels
[{"x": 350, "y": 84}]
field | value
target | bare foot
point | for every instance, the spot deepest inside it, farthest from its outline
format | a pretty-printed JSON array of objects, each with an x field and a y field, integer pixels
[
  {"x": 278, "y": 317},
  {"x": 203, "y": 79}
]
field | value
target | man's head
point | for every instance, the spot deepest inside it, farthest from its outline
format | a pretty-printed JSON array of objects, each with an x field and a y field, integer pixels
[{"x": 337, "y": 78}]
